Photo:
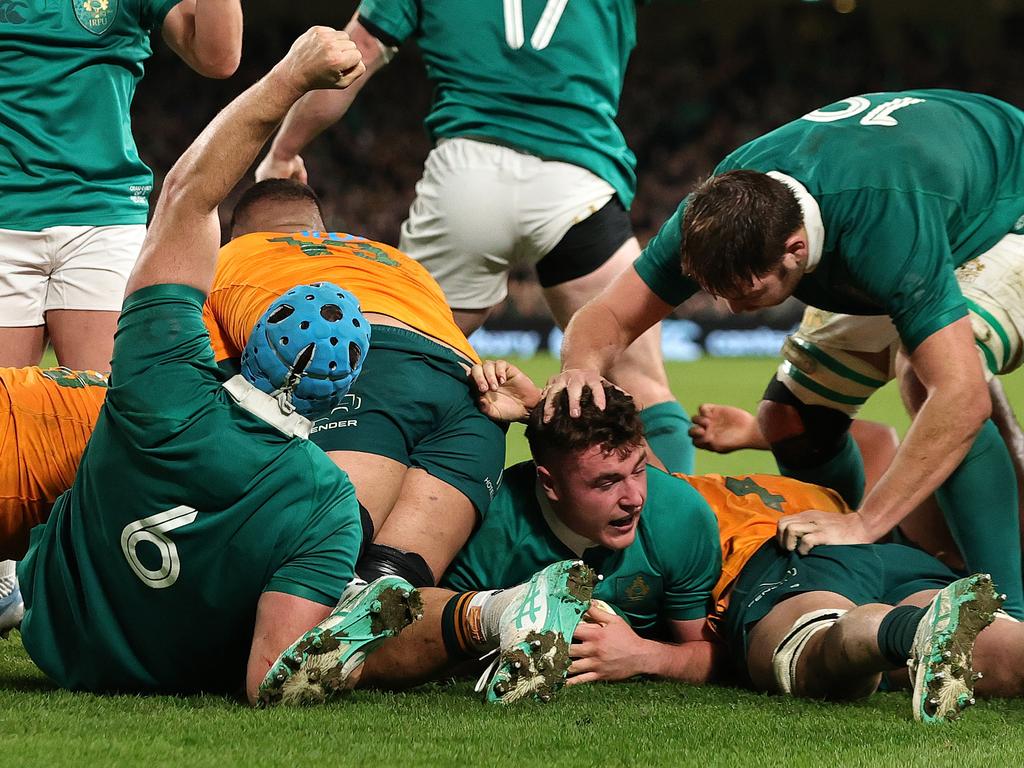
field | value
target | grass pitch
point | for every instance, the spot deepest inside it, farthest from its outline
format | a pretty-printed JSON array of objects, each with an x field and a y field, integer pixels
[{"x": 635, "y": 724}]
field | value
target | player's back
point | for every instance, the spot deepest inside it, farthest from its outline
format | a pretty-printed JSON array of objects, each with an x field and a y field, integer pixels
[
  {"x": 46, "y": 418},
  {"x": 748, "y": 508},
  {"x": 963, "y": 152},
  {"x": 255, "y": 269},
  {"x": 543, "y": 76},
  {"x": 186, "y": 508}
]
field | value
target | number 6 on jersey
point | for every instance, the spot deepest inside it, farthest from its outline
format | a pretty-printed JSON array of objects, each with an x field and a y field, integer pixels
[{"x": 154, "y": 529}]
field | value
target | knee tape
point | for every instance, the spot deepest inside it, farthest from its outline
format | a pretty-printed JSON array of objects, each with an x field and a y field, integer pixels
[
  {"x": 787, "y": 653},
  {"x": 381, "y": 560}
]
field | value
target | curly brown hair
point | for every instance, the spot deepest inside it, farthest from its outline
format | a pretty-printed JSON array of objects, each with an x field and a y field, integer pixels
[
  {"x": 735, "y": 229},
  {"x": 616, "y": 429}
]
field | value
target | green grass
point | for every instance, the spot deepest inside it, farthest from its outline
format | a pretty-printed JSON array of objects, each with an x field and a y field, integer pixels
[{"x": 636, "y": 724}]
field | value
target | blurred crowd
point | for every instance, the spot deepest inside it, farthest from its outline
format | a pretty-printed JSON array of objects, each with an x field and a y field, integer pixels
[{"x": 706, "y": 77}]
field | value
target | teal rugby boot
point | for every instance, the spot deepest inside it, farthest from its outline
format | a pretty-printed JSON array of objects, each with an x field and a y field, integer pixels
[
  {"x": 320, "y": 664},
  {"x": 942, "y": 655},
  {"x": 536, "y": 630}
]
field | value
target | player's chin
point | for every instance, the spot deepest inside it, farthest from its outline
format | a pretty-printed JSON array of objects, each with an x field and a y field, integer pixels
[{"x": 620, "y": 533}]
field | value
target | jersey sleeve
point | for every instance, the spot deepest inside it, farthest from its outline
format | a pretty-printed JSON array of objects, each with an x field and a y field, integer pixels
[
  {"x": 659, "y": 264},
  {"x": 155, "y": 11},
  {"x": 692, "y": 555},
  {"x": 162, "y": 362},
  {"x": 900, "y": 253},
  {"x": 390, "y": 21},
  {"x": 323, "y": 556}
]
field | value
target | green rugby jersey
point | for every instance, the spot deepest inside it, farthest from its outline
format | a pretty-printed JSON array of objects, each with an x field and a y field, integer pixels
[
  {"x": 68, "y": 71},
  {"x": 186, "y": 507},
  {"x": 666, "y": 574},
  {"x": 909, "y": 185},
  {"x": 541, "y": 76}
]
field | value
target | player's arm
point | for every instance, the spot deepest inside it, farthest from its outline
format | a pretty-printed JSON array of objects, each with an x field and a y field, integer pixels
[
  {"x": 606, "y": 648},
  {"x": 182, "y": 242},
  {"x": 319, "y": 110},
  {"x": 280, "y": 619},
  {"x": 206, "y": 35},
  {"x": 598, "y": 333}
]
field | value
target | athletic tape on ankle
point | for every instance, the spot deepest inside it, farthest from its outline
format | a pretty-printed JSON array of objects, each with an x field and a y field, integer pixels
[{"x": 787, "y": 653}]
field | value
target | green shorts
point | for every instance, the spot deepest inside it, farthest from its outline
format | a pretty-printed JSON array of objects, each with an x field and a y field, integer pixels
[
  {"x": 862, "y": 573},
  {"x": 412, "y": 404}
]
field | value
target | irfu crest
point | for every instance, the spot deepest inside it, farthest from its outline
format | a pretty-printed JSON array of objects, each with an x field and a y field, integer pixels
[{"x": 95, "y": 15}]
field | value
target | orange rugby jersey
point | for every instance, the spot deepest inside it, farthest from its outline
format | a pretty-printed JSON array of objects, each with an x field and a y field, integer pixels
[
  {"x": 46, "y": 418},
  {"x": 748, "y": 508},
  {"x": 255, "y": 269}
]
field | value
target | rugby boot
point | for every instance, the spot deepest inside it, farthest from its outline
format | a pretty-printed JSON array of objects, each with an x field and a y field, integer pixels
[{"x": 319, "y": 665}]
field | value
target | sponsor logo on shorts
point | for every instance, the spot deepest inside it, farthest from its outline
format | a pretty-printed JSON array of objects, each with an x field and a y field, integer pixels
[
  {"x": 770, "y": 586},
  {"x": 492, "y": 487},
  {"x": 335, "y": 419},
  {"x": 96, "y": 16}
]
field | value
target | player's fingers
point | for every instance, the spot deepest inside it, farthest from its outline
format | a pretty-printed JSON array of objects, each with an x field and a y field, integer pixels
[
  {"x": 478, "y": 377},
  {"x": 581, "y": 650},
  {"x": 705, "y": 410},
  {"x": 790, "y": 532},
  {"x": 575, "y": 391},
  {"x": 584, "y": 632},
  {"x": 598, "y": 616},
  {"x": 808, "y": 542},
  {"x": 351, "y": 74},
  {"x": 501, "y": 371},
  {"x": 597, "y": 391},
  {"x": 492, "y": 376},
  {"x": 589, "y": 677},
  {"x": 581, "y": 666}
]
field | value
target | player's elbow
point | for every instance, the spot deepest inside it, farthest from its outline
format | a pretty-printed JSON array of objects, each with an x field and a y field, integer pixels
[{"x": 218, "y": 64}]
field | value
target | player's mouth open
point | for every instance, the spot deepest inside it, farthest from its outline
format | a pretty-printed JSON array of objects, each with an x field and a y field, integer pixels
[{"x": 624, "y": 522}]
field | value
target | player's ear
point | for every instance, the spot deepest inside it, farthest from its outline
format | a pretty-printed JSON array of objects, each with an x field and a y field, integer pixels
[{"x": 547, "y": 483}]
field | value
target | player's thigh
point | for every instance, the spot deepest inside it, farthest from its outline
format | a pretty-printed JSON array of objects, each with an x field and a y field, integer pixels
[
  {"x": 770, "y": 632},
  {"x": 83, "y": 340},
  {"x": 431, "y": 518},
  {"x": 463, "y": 225},
  {"x": 838, "y": 361},
  {"x": 993, "y": 286},
  {"x": 377, "y": 480}
]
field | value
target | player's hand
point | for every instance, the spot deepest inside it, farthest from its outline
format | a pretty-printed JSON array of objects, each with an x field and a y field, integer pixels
[
  {"x": 573, "y": 381},
  {"x": 605, "y": 648},
  {"x": 321, "y": 58},
  {"x": 502, "y": 391},
  {"x": 807, "y": 530},
  {"x": 725, "y": 428},
  {"x": 273, "y": 167}
]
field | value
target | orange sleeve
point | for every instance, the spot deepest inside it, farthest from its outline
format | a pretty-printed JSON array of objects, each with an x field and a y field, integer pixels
[{"x": 223, "y": 347}]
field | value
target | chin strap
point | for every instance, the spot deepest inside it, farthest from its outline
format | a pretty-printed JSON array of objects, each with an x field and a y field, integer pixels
[{"x": 283, "y": 394}]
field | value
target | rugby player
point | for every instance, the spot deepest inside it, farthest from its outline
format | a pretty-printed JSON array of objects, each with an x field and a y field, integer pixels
[
  {"x": 204, "y": 537},
  {"x": 46, "y": 417},
  {"x": 823, "y": 624},
  {"x": 907, "y": 208},
  {"x": 529, "y": 167},
  {"x": 424, "y": 461}
]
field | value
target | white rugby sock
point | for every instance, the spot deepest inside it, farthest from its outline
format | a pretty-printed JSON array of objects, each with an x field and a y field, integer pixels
[
  {"x": 491, "y": 605},
  {"x": 8, "y": 577}
]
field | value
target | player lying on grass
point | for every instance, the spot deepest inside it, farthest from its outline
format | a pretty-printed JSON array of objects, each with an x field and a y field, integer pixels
[
  {"x": 424, "y": 461},
  {"x": 46, "y": 417},
  {"x": 823, "y": 624},
  {"x": 905, "y": 212},
  {"x": 204, "y": 536}
]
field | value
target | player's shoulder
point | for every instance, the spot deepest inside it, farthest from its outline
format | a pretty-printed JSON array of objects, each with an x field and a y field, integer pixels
[{"x": 673, "y": 505}]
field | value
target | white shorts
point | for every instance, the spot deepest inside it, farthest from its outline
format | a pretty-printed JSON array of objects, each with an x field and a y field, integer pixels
[
  {"x": 65, "y": 268},
  {"x": 482, "y": 208},
  {"x": 820, "y": 364}
]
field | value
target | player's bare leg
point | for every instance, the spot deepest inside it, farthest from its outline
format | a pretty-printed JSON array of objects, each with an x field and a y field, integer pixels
[
  {"x": 377, "y": 480},
  {"x": 430, "y": 518},
  {"x": 837, "y": 662},
  {"x": 82, "y": 339},
  {"x": 22, "y": 346}
]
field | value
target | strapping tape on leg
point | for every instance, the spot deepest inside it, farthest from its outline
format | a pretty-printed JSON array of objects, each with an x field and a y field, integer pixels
[{"x": 787, "y": 653}]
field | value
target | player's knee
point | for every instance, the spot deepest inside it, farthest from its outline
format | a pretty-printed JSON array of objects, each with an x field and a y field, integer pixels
[
  {"x": 381, "y": 560},
  {"x": 800, "y": 435}
]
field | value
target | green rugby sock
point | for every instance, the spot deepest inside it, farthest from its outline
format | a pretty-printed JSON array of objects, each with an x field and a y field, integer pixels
[
  {"x": 844, "y": 472},
  {"x": 896, "y": 633},
  {"x": 667, "y": 429},
  {"x": 979, "y": 502}
]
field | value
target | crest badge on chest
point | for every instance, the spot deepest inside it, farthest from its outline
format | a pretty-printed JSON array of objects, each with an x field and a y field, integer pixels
[{"x": 95, "y": 15}]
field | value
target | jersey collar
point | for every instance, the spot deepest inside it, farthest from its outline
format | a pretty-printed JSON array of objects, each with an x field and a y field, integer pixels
[
  {"x": 812, "y": 218},
  {"x": 265, "y": 407},
  {"x": 576, "y": 543}
]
